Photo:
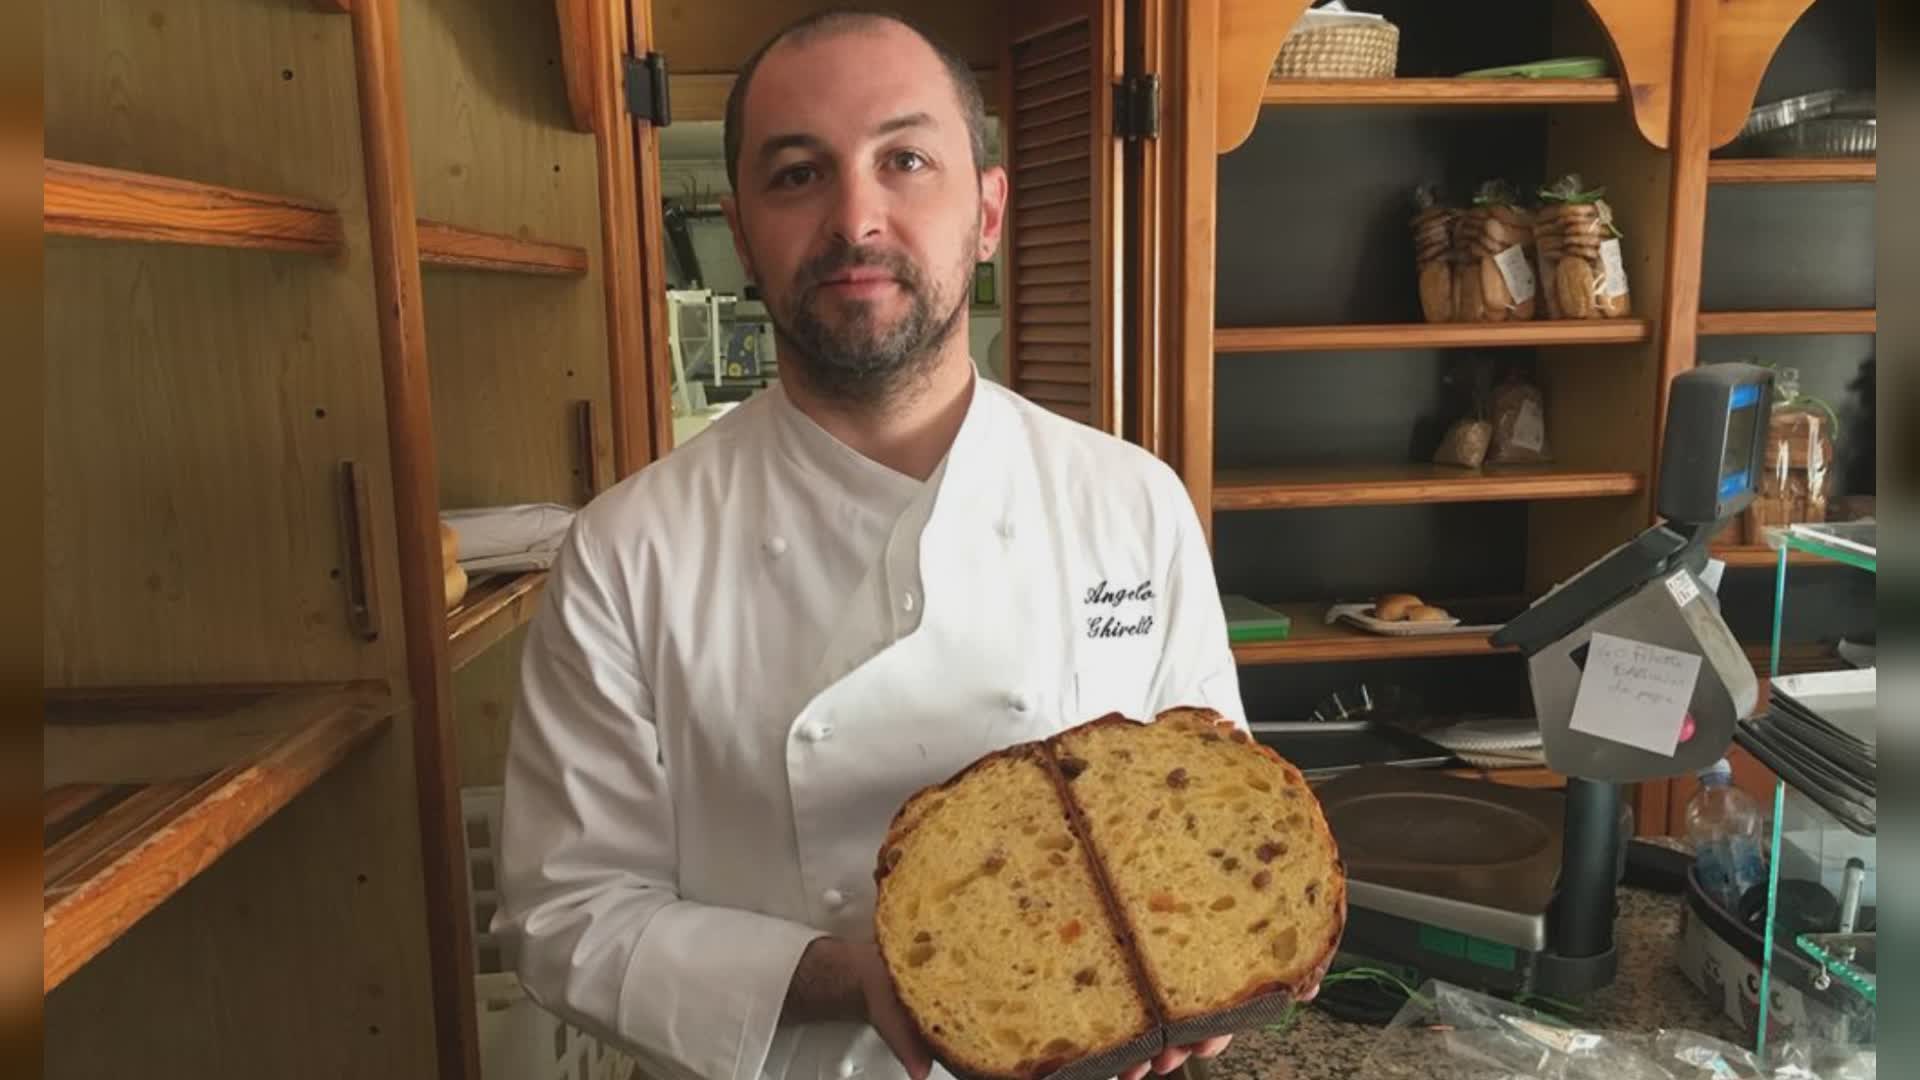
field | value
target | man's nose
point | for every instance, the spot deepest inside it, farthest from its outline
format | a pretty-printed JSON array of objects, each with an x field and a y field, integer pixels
[{"x": 859, "y": 208}]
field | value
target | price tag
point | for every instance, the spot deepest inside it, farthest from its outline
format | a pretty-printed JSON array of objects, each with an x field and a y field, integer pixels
[
  {"x": 1613, "y": 280},
  {"x": 1517, "y": 272},
  {"x": 1530, "y": 427}
]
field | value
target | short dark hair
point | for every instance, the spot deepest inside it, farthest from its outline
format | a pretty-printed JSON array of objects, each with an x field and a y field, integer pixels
[{"x": 840, "y": 20}]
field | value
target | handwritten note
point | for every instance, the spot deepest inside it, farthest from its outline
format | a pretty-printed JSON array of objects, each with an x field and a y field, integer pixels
[{"x": 1635, "y": 693}]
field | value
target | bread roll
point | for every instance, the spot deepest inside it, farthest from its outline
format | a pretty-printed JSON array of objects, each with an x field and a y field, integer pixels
[
  {"x": 456, "y": 582},
  {"x": 1427, "y": 613},
  {"x": 1393, "y": 607}
]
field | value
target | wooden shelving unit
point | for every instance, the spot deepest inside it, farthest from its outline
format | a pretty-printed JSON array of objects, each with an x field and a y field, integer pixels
[
  {"x": 1792, "y": 170},
  {"x": 492, "y": 609},
  {"x": 1254, "y": 339},
  {"x": 453, "y": 247},
  {"x": 1844, "y": 321},
  {"x": 1489, "y": 93},
  {"x": 116, "y": 204},
  {"x": 1390, "y": 485},
  {"x": 1313, "y": 641},
  {"x": 145, "y": 789}
]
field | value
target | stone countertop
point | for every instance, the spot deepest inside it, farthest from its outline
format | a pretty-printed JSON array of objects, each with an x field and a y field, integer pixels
[{"x": 1648, "y": 992}]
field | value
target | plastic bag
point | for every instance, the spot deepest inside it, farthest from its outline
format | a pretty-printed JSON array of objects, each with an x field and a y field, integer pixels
[
  {"x": 1493, "y": 275},
  {"x": 1519, "y": 412},
  {"x": 1446, "y": 1032},
  {"x": 1466, "y": 442},
  {"x": 1433, "y": 254},
  {"x": 1796, "y": 474},
  {"x": 1583, "y": 273}
]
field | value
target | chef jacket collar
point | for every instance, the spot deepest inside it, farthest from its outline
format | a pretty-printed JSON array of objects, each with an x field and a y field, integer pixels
[{"x": 815, "y": 451}]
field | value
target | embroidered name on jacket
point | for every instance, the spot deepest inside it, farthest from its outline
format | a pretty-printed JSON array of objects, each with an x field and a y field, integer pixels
[{"x": 1115, "y": 610}]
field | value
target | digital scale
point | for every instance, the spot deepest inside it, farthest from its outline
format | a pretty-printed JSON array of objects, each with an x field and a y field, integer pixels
[{"x": 1511, "y": 890}]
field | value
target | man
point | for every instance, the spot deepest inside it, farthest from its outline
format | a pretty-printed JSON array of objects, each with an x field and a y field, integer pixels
[{"x": 850, "y": 587}]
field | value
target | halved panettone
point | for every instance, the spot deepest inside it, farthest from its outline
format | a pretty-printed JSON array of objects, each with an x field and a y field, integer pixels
[
  {"x": 1067, "y": 908},
  {"x": 998, "y": 937},
  {"x": 1219, "y": 857}
]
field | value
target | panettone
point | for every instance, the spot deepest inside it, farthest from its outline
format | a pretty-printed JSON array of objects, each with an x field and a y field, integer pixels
[{"x": 1068, "y": 908}]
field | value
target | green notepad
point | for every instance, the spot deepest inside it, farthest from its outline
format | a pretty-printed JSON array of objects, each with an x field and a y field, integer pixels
[{"x": 1251, "y": 621}]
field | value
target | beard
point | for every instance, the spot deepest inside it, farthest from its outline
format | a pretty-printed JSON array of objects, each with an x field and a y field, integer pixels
[{"x": 861, "y": 358}]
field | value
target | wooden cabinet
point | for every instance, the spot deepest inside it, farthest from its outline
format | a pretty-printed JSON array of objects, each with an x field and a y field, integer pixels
[
  {"x": 314, "y": 273},
  {"x": 1300, "y": 396}
]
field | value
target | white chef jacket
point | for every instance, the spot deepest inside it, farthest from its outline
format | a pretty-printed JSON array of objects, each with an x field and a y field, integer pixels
[{"x": 723, "y": 701}]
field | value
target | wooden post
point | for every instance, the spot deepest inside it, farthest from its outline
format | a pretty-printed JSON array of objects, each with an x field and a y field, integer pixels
[{"x": 409, "y": 402}]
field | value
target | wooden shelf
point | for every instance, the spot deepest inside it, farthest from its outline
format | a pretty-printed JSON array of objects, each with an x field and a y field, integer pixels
[
  {"x": 1838, "y": 321},
  {"x": 1792, "y": 170},
  {"x": 144, "y": 789},
  {"x": 1313, "y": 641},
  {"x": 1388, "y": 485},
  {"x": 1443, "y": 92},
  {"x": 1255, "y": 339},
  {"x": 114, "y": 204},
  {"x": 493, "y": 608},
  {"x": 451, "y": 246}
]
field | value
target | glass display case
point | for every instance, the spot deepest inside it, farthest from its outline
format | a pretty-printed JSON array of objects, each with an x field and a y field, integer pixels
[{"x": 1819, "y": 734}]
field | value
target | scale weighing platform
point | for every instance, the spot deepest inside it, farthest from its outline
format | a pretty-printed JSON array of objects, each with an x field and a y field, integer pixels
[{"x": 1511, "y": 890}]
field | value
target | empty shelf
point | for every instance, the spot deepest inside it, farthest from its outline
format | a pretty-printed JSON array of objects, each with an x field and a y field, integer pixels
[{"x": 144, "y": 789}]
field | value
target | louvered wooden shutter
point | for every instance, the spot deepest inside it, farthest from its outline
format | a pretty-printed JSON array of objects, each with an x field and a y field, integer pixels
[{"x": 1062, "y": 228}]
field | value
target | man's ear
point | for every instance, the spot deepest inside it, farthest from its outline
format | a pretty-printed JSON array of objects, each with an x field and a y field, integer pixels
[
  {"x": 993, "y": 210},
  {"x": 729, "y": 207}
]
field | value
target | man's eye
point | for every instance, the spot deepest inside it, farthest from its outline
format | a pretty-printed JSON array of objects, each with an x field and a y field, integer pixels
[
  {"x": 794, "y": 176},
  {"x": 909, "y": 161}
]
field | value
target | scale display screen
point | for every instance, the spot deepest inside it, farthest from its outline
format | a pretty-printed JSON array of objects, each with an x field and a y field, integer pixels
[{"x": 1736, "y": 462}]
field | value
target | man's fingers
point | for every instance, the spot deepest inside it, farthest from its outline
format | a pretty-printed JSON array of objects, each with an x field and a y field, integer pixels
[
  {"x": 913, "y": 1054},
  {"x": 1169, "y": 1059},
  {"x": 1138, "y": 1072},
  {"x": 1211, "y": 1048}
]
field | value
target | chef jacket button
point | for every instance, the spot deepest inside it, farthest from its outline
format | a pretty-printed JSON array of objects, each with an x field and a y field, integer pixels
[
  {"x": 1017, "y": 701},
  {"x": 815, "y": 731},
  {"x": 833, "y": 898},
  {"x": 776, "y": 546},
  {"x": 1006, "y": 529},
  {"x": 906, "y": 601},
  {"x": 848, "y": 1070}
]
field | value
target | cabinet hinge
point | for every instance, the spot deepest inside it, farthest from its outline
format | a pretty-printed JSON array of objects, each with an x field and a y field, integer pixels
[
  {"x": 647, "y": 88},
  {"x": 1136, "y": 107}
]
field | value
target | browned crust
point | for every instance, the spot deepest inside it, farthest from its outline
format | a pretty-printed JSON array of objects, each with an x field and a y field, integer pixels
[{"x": 1260, "y": 1003}]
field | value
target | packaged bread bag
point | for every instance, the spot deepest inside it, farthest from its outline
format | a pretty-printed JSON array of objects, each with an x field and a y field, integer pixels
[
  {"x": 1494, "y": 279},
  {"x": 1582, "y": 272},
  {"x": 1065, "y": 909},
  {"x": 1519, "y": 422},
  {"x": 1433, "y": 253},
  {"x": 1796, "y": 476},
  {"x": 1468, "y": 438}
]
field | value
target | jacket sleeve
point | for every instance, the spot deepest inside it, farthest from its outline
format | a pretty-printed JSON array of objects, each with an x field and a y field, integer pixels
[
  {"x": 1196, "y": 666},
  {"x": 588, "y": 853}
]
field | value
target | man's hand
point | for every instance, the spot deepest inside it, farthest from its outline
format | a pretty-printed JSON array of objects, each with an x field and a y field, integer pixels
[
  {"x": 1173, "y": 1057},
  {"x": 844, "y": 981},
  {"x": 841, "y": 980}
]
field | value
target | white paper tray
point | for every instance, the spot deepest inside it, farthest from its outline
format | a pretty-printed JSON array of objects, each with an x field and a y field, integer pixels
[{"x": 1358, "y": 617}]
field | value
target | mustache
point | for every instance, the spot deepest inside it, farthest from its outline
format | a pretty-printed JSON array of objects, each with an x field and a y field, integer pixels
[{"x": 844, "y": 257}]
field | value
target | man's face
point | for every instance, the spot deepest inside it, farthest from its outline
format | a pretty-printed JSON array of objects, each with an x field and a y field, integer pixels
[{"x": 858, "y": 209}]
